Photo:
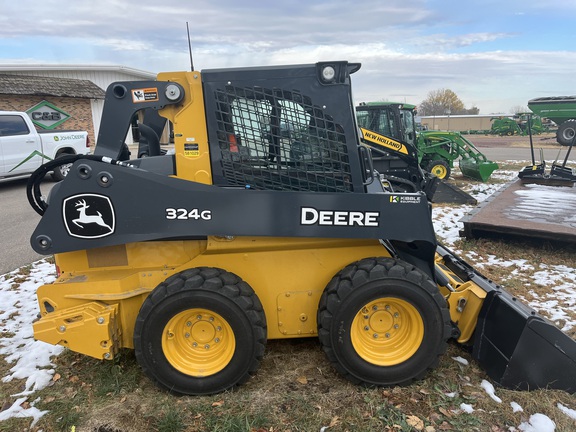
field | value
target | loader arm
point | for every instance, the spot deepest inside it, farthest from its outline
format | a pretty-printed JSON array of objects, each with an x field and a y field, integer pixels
[
  {"x": 123, "y": 100},
  {"x": 451, "y": 146},
  {"x": 193, "y": 210},
  {"x": 440, "y": 141}
]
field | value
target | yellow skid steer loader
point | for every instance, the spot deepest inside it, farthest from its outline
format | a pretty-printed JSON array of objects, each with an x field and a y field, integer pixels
[{"x": 267, "y": 221}]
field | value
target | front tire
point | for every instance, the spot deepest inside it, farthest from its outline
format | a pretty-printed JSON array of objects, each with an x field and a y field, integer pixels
[
  {"x": 200, "y": 332},
  {"x": 383, "y": 322},
  {"x": 439, "y": 168}
]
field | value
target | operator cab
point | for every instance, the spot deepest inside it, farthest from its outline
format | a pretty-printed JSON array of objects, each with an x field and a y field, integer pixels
[{"x": 396, "y": 120}]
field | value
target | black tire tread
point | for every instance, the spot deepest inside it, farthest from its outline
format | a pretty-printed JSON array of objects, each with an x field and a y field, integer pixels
[
  {"x": 215, "y": 280},
  {"x": 353, "y": 276},
  {"x": 568, "y": 124},
  {"x": 445, "y": 164}
]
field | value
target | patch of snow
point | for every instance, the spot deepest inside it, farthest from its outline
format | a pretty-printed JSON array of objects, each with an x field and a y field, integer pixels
[
  {"x": 516, "y": 407},
  {"x": 538, "y": 423},
  {"x": 447, "y": 223},
  {"x": 562, "y": 280},
  {"x": 569, "y": 412},
  {"x": 17, "y": 411},
  {"x": 489, "y": 388},
  {"x": 461, "y": 360},
  {"x": 466, "y": 408},
  {"x": 30, "y": 358}
]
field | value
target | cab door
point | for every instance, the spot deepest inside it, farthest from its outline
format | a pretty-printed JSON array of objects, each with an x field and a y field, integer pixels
[{"x": 17, "y": 146}]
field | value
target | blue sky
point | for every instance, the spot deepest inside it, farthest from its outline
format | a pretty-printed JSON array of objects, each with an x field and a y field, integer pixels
[{"x": 495, "y": 55}]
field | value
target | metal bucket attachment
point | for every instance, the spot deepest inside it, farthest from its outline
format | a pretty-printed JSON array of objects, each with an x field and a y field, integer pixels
[
  {"x": 517, "y": 348},
  {"x": 448, "y": 193},
  {"x": 476, "y": 169},
  {"x": 522, "y": 350}
]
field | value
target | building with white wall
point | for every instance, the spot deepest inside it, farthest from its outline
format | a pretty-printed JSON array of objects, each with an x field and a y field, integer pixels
[{"x": 102, "y": 76}]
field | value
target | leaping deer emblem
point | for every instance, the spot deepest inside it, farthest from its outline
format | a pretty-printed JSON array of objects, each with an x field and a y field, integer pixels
[{"x": 84, "y": 218}]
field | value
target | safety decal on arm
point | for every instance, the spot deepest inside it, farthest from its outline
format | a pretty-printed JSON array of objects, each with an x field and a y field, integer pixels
[{"x": 144, "y": 95}]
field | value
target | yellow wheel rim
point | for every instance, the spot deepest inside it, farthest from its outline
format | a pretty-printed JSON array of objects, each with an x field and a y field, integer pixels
[
  {"x": 198, "y": 342},
  {"x": 387, "y": 331},
  {"x": 439, "y": 171}
]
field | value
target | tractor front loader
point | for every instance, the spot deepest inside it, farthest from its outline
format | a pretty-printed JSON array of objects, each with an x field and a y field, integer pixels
[
  {"x": 441, "y": 148},
  {"x": 267, "y": 221}
]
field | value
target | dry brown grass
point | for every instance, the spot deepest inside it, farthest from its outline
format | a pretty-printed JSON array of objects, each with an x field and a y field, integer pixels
[{"x": 294, "y": 390}]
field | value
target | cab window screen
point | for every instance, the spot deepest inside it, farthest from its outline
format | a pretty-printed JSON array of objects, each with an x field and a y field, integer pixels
[{"x": 277, "y": 139}]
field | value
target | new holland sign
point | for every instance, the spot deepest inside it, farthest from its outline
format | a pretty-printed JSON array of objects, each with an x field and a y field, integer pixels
[{"x": 47, "y": 116}]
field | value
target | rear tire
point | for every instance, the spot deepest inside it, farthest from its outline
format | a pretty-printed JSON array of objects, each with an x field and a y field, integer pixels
[
  {"x": 565, "y": 132},
  {"x": 200, "y": 332},
  {"x": 383, "y": 322},
  {"x": 439, "y": 168},
  {"x": 61, "y": 171}
]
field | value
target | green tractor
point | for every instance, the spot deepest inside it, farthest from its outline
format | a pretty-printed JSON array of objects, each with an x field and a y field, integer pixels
[
  {"x": 504, "y": 126},
  {"x": 436, "y": 151},
  {"x": 518, "y": 125}
]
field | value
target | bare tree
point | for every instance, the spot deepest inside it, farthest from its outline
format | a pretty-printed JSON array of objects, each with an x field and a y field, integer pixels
[
  {"x": 519, "y": 109},
  {"x": 443, "y": 102}
]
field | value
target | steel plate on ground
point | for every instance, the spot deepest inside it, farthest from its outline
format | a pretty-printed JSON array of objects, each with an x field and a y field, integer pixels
[{"x": 527, "y": 210}]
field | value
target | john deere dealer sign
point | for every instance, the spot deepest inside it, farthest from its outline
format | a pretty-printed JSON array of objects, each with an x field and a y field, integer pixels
[{"x": 47, "y": 116}]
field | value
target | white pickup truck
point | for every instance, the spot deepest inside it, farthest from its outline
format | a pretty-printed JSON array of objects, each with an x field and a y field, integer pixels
[{"x": 23, "y": 148}]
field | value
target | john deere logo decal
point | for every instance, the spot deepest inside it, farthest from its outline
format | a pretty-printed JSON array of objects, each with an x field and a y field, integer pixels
[{"x": 89, "y": 216}]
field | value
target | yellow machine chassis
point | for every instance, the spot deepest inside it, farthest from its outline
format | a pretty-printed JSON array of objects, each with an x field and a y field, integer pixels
[
  {"x": 109, "y": 285},
  {"x": 93, "y": 309}
]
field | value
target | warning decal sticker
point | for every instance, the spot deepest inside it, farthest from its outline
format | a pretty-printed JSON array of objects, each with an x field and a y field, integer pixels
[
  {"x": 191, "y": 150},
  {"x": 144, "y": 95}
]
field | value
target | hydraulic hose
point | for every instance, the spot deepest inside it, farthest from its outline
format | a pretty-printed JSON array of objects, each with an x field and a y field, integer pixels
[{"x": 33, "y": 191}]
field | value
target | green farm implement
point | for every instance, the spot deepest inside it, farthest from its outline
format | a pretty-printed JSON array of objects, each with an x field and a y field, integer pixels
[
  {"x": 436, "y": 151},
  {"x": 562, "y": 111},
  {"x": 519, "y": 124}
]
